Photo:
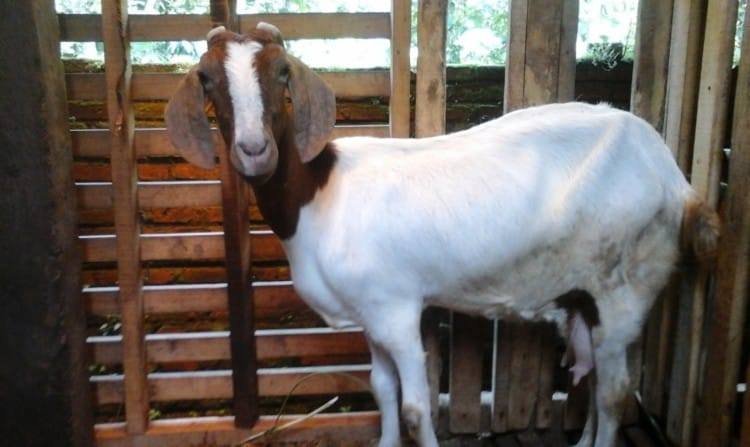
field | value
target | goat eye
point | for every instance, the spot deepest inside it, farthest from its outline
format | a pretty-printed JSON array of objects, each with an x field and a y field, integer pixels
[
  {"x": 284, "y": 73},
  {"x": 204, "y": 79}
]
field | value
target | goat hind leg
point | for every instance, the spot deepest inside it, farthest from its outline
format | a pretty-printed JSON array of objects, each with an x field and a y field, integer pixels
[{"x": 384, "y": 381}]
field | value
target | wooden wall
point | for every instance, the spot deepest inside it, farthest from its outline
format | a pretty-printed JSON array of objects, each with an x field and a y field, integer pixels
[{"x": 154, "y": 224}]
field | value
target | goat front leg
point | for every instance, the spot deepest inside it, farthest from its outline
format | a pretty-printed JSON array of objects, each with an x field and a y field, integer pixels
[
  {"x": 384, "y": 381},
  {"x": 398, "y": 335}
]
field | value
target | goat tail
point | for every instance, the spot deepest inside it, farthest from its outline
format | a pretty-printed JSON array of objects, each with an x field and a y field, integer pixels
[{"x": 700, "y": 231}]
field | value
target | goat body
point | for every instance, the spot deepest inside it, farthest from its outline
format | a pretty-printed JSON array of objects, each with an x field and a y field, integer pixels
[{"x": 499, "y": 220}]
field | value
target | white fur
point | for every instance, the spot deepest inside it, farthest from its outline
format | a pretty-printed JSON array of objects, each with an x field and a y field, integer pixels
[
  {"x": 497, "y": 220},
  {"x": 247, "y": 101}
]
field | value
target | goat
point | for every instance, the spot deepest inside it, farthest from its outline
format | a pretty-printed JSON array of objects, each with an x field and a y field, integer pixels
[{"x": 571, "y": 213}]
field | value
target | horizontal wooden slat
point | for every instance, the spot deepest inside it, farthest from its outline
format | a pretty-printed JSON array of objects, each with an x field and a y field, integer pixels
[
  {"x": 155, "y": 142},
  {"x": 160, "y": 86},
  {"x": 154, "y": 194},
  {"x": 213, "y": 430},
  {"x": 181, "y": 246},
  {"x": 210, "y": 346},
  {"x": 270, "y": 298},
  {"x": 218, "y": 384},
  {"x": 87, "y": 27}
]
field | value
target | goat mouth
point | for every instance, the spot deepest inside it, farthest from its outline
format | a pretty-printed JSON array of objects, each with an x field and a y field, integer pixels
[{"x": 258, "y": 164}]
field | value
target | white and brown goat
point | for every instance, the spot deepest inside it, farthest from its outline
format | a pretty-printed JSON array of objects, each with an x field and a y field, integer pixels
[{"x": 572, "y": 213}]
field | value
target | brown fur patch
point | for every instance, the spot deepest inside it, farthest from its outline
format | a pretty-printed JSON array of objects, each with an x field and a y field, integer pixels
[{"x": 701, "y": 229}]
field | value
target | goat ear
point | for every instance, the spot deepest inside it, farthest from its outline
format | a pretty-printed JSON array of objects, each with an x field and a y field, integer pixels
[
  {"x": 314, "y": 109},
  {"x": 187, "y": 123}
]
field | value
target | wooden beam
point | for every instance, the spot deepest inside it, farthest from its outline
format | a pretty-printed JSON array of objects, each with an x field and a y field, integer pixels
[
  {"x": 208, "y": 346},
  {"x": 651, "y": 55},
  {"x": 729, "y": 308},
  {"x": 429, "y": 118},
  {"x": 541, "y": 53},
  {"x": 647, "y": 100},
  {"x": 218, "y": 384},
  {"x": 400, "y": 103},
  {"x": 238, "y": 259},
  {"x": 710, "y": 139},
  {"x": 540, "y": 69},
  {"x": 346, "y": 427},
  {"x": 362, "y": 25},
  {"x": 467, "y": 336},
  {"x": 127, "y": 226},
  {"x": 44, "y": 396},
  {"x": 688, "y": 25}
]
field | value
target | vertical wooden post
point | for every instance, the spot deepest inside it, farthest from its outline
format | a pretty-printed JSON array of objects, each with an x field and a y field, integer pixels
[
  {"x": 540, "y": 69},
  {"x": 237, "y": 242},
  {"x": 429, "y": 120},
  {"x": 44, "y": 389},
  {"x": 467, "y": 335},
  {"x": 127, "y": 225},
  {"x": 710, "y": 134},
  {"x": 400, "y": 103},
  {"x": 541, "y": 53},
  {"x": 729, "y": 308},
  {"x": 688, "y": 20},
  {"x": 651, "y": 55},
  {"x": 647, "y": 100},
  {"x": 429, "y": 117}
]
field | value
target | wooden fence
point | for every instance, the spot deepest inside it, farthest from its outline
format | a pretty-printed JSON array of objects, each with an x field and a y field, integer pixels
[{"x": 142, "y": 272}]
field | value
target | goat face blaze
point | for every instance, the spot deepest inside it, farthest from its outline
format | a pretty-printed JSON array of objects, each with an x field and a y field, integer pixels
[{"x": 253, "y": 148}]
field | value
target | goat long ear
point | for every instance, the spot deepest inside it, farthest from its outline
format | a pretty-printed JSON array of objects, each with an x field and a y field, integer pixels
[
  {"x": 187, "y": 123},
  {"x": 314, "y": 110}
]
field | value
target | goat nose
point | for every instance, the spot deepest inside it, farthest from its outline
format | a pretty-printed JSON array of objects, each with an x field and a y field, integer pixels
[{"x": 251, "y": 149}]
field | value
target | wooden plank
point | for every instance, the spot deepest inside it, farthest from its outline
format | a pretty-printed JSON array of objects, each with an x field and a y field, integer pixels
[
  {"x": 713, "y": 103},
  {"x": 714, "y": 98},
  {"x": 683, "y": 77},
  {"x": 648, "y": 100},
  {"x": 238, "y": 260},
  {"x": 217, "y": 384},
  {"x": 400, "y": 34},
  {"x": 467, "y": 334},
  {"x": 541, "y": 54},
  {"x": 350, "y": 426},
  {"x": 549, "y": 360},
  {"x": 188, "y": 194},
  {"x": 347, "y": 84},
  {"x": 181, "y": 246},
  {"x": 649, "y": 87},
  {"x": 155, "y": 142},
  {"x": 729, "y": 308},
  {"x": 121, "y": 124},
  {"x": 429, "y": 115},
  {"x": 273, "y": 300},
  {"x": 502, "y": 356},
  {"x": 362, "y": 25},
  {"x": 516, "y": 60},
  {"x": 678, "y": 130},
  {"x": 208, "y": 346},
  {"x": 45, "y": 391},
  {"x": 524, "y": 375}
]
